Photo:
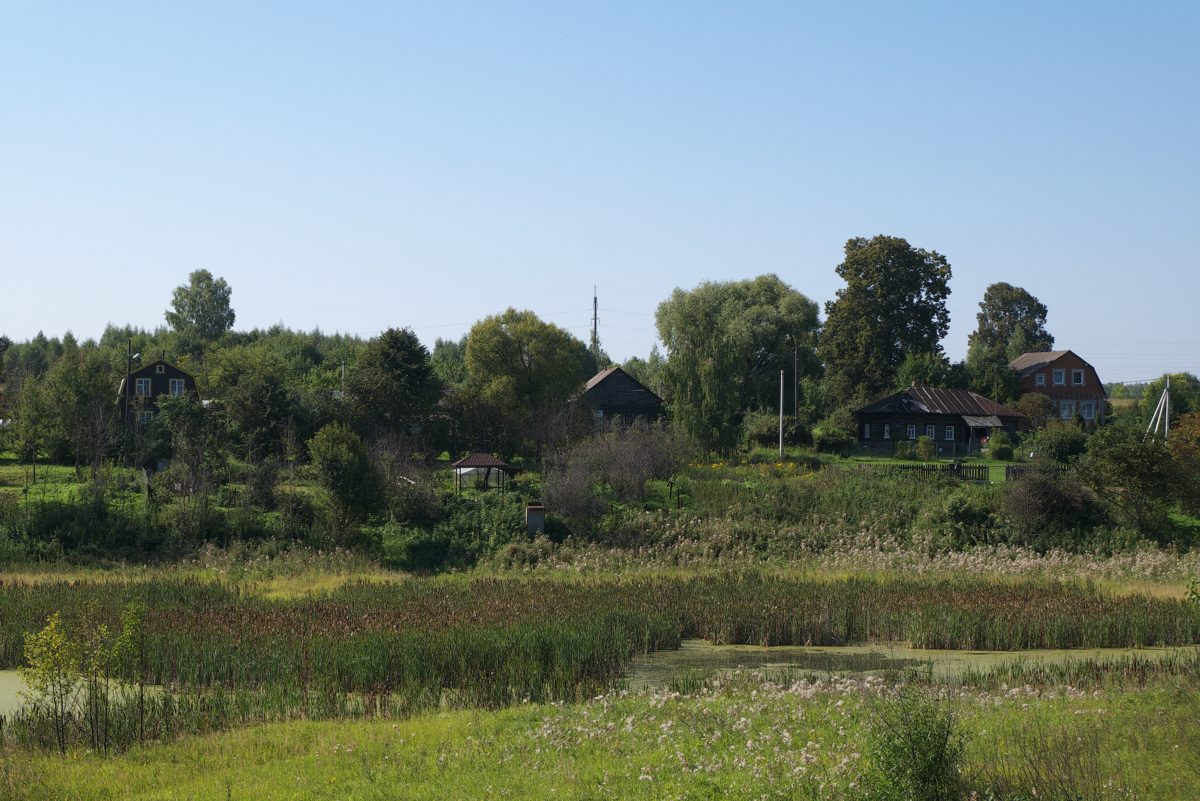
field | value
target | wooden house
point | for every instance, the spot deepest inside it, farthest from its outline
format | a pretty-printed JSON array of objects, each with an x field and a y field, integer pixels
[
  {"x": 613, "y": 393},
  {"x": 1070, "y": 382},
  {"x": 139, "y": 391},
  {"x": 956, "y": 419}
]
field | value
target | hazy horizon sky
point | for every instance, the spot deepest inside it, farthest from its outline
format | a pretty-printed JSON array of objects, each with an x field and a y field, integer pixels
[{"x": 364, "y": 166}]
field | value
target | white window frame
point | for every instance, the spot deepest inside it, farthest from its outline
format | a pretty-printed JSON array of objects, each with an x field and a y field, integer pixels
[
  {"x": 866, "y": 430},
  {"x": 1040, "y": 379},
  {"x": 931, "y": 432},
  {"x": 1066, "y": 409},
  {"x": 1089, "y": 410},
  {"x": 178, "y": 386},
  {"x": 949, "y": 433},
  {"x": 1060, "y": 378},
  {"x": 912, "y": 431},
  {"x": 887, "y": 430},
  {"x": 1078, "y": 383},
  {"x": 145, "y": 418},
  {"x": 141, "y": 384}
]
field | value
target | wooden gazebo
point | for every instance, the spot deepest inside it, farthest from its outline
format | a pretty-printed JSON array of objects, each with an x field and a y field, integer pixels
[{"x": 480, "y": 465}]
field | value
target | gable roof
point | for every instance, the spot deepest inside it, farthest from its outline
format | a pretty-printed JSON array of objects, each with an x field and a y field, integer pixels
[
  {"x": 599, "y": 377},
  {"x": 479, "y": 460},
  {"x": 148, "y": 365},
  {"x": 930, "y": 400},
  {"x": 1028, "y": 363}
]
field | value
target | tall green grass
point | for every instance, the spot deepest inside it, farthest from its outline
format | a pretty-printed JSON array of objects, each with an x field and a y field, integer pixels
[
  {"x": 226, "y": 656},
  {"x": 543, "y": 637}
]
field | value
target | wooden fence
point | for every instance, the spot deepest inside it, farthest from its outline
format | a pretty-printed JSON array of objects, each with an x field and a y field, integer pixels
[{"x": 960, "y": 472}]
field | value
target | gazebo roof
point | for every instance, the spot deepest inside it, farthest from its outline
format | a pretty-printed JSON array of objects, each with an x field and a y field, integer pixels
[{"x": 479, "y": 460}]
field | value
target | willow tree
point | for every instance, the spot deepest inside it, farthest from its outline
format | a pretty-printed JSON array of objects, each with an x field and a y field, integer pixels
[
  {"x": 726, "y": 342},
  {"x": 522, "y": 362}
]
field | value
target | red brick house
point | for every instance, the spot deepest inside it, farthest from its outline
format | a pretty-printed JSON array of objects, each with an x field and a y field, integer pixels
[{"x": 1066, "y": 379}]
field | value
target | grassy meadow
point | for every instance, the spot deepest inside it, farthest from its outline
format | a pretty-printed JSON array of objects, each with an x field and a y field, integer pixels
[
  {"x": 741, "y": 735},
  {"x": 364, "y": 668}
]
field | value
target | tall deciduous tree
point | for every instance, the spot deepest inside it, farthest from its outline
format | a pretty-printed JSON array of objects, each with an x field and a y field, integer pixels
[
  {"x": 392, "y": 385},
  {"x": 725, "y": 344},
  {"x": 1011, "y": 322},
  {"x": 894, "y": 303},
  {"x": 522, "y": 362},
  {"x": 78, "y": 391},
  {"x": 250, "y": 383},
  {"x": 201, "y": 309},
  {"x": 930, "y": 370}
]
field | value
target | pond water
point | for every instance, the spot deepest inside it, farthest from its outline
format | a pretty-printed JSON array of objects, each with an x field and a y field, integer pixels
[
  {"x": 703, "y": 659},
  {"x": 10, "y": 685}
]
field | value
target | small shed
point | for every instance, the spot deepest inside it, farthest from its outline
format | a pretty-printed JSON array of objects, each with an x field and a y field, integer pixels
[{"x": 480, "y": 469}]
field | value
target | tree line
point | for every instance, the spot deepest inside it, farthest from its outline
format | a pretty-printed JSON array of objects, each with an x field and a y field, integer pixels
[{"x": 506, "y": 387}]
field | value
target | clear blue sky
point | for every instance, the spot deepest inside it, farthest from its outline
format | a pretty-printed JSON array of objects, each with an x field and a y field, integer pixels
[{"x": 355, "y": 166}]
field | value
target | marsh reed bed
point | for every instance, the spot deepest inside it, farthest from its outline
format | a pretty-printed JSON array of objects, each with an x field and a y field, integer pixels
[{"x": 226, "y": 656}]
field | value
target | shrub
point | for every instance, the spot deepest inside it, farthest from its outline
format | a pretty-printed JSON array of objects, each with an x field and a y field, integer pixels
[
  {"x": 839, "y": 418},
  {"x": 906, "y": 450},
  {"x": 762, "y": 430},
  {"x": 915, "y": 749},
  {"x": 1043, "y": 502},
  {"x": 571, "y": 492},
  {"x": 926, "y": 449},
  {"x": 406, "y": 548},
  {"x": 347, "y": 473},
  {"x": 832, "y": 440},
  {"x": 999, "y": 438},
  {"x": 1004, "y": 453},
  {"x": 1060, "y": 441}
]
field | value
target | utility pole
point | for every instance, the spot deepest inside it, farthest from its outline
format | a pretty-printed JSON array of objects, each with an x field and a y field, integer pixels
[
  {"x": 596, "y": 327},
  {"x": 1162, "y": 413},
  {"x": 795, "y": 382},
  {"x": 128, "y": 373},
  {"x": 781, "y": 415}
]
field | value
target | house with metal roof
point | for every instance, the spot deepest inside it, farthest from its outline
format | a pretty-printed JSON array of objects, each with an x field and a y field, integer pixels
[
  {"x": 956, "y": 419},
  {"x": 1070, "y": 382}
]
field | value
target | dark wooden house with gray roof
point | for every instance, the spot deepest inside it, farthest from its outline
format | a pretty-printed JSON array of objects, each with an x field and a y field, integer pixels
[
  {"x": 139, "y": 391},
  {"x": 613, "y": 393},
  {"x": 954, "y": 418}
]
